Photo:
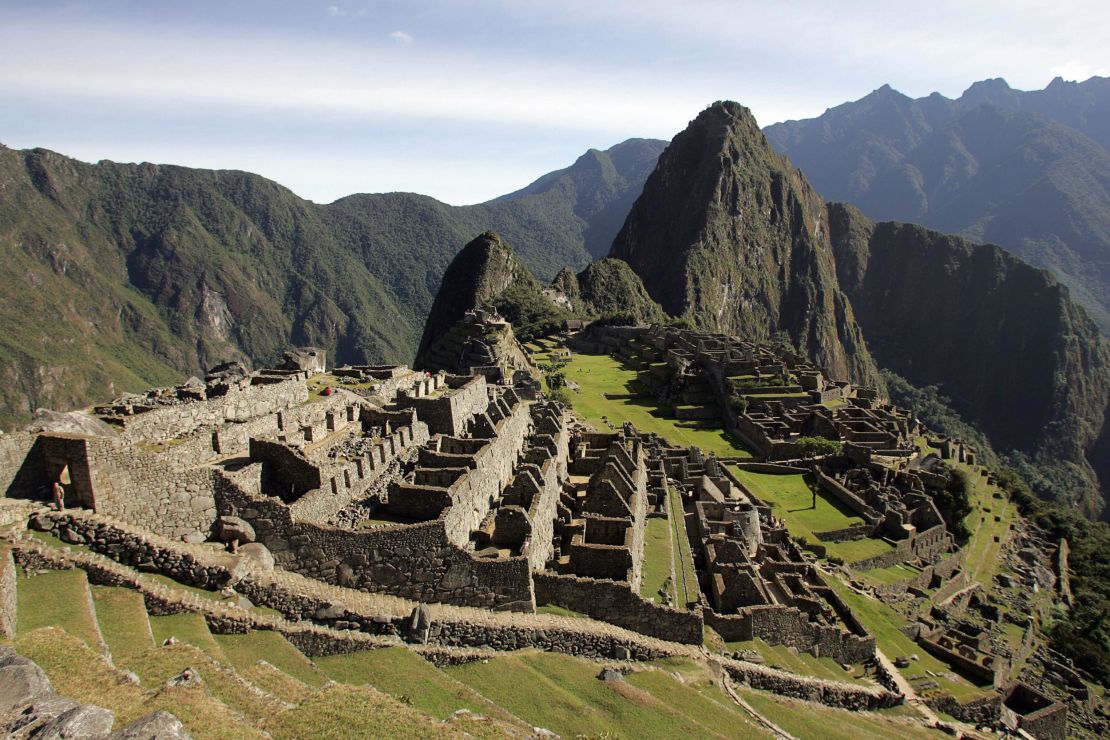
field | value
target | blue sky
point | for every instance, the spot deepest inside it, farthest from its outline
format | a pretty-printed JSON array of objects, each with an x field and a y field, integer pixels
[{"x": 468, "y": 100}]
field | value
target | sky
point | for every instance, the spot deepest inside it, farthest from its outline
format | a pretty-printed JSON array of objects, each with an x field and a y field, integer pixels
[{"x": 465, "y": 101}]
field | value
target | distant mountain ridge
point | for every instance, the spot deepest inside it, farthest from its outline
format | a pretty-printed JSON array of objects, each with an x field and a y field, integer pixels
[
  {"x": 115, "y": 277},
  {"x": 1027, "y": 170}
]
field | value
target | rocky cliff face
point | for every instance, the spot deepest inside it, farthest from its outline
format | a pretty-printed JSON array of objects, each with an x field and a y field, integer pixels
[
  {"x": 483, "y": 270},
  {"x": 1029, "y": 171},
  {"x": 609, "y": 289},
  {"x": 728, "y": 235},
  {"x": 1002, "y": 339}
]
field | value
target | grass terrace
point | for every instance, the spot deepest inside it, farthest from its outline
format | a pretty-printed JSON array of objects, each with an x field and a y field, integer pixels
[
  {"x": 791, "y": 499},
  {"x": 608, "y": 389},
  {"x": 885, "y": 624},
  {"x": 780, "y": 656},
  {"x": 563, "y": 694},
  {"x": 803, "y": 719}
]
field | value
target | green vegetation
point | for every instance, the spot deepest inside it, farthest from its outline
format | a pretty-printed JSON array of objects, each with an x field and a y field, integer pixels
[
  {"x": 563, "y": 694},
  {"x": 885, "y": 623},
  {"x": 243, "y": 651},
  {"x": 780, "y": 656},
  {"x": 815, "y": 446},
  {"x": 136, "y": 264},
  {"x": 790, "y": 497},
  {"x": 657, "y": 581},
  {"x": 57, "y": 598},
  {"x": 686, "y": 581},
  {"x": 121, "y": 614},
  {"x": 1083, "y": 633},
  {"x": 353, "y": 712},
  {"x": 76, "y": 670},
  {"x": 808, "y": 720},
  {"x": 608, "y": 390},
  {"x": 187, "y": 627},
  {"x": 406, "y": 676}
]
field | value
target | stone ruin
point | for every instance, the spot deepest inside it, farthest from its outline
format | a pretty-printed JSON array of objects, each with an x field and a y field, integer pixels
[{"x": 466, "y": 491}]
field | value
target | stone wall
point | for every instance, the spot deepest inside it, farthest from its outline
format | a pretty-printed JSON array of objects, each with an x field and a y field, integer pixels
[
  {"x": 845, "y": 696},
  {"x": 8, "y": 601},
  {"x": 237, "y": 405},
  {"x": 782, "y": 625},
  {"x": 493, "y": 470},
  {"x": 617, "y": 604},
  {"x": 21, "y": 473},
  {"x": 416, "y": 561},
  {"x": 450, "y": 412},
  {"x": 152, "y": 489},
  {"x": 455, "y": 627}
]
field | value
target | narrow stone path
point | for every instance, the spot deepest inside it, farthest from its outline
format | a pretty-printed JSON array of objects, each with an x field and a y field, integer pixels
[
  {"x": 726, "y": 684},
  {"x": 904, "y": 686}
]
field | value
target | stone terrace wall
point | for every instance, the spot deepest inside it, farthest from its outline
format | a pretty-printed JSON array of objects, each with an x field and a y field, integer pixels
[
  {"x": 617, "y": 604},
  {"x": 8, "y": 603},
  {"x": 153, "y": 489},
  {"x": 782, "y": 625},
  {"x": 494, "y": 465},
  {"x": 450, "y": 412},
  {"x": 845, "y": 696},
  {"x": 415, "y": 561},
  {"x": 304, "y": 600},
  {"x": 237, "y": 405}
]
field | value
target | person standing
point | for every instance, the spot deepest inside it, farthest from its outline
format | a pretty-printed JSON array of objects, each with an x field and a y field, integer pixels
[{"x": 59, "y": 496}]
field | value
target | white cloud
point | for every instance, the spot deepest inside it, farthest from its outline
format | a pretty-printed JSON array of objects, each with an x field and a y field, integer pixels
[
  {"x": 1076, "y": 70},
  {"x": 401, "y": 37},
  {"x": 263, "y": 74},
  {"x": 334, "y": 10}
]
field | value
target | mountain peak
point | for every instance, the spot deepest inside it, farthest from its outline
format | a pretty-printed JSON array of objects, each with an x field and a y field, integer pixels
[{"x": 730, "y": 236}]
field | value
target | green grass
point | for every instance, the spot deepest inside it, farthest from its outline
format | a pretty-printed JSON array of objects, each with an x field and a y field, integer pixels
[
  {"x": 123, "y": 621},
  {"x": 76, "y": 670},
  {"x": 189, "y": 628},
  {"x": 884, "y": 623},
  {"x": 408, "y": 677},
  {"x": 790, "y": 498},
  {"x": 657, "y": 578},
  {"x": 806, "y": 720},
  {"x": 893, "y": 574},
  {"x": 563, "y": 694},
  {"x": 559, "y": 611},
  {"x": 354, "y": 712},
  {"x": 982, "y": 551},
  {"x": 598, "y": 375},
  {"x": 57, "y": 598},
  {"x": 243, "y": 651},
  {"x": 780, "y": 656},
  {"x": 268, "y": 678},
  {"x": 686, "y": 587}
]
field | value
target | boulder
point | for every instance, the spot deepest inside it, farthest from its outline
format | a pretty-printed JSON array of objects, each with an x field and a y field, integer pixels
[
  {"x": 258, "y": 555},
  {"x": 41, "y": 712},
  {"x": 158, "y": 725},
  {"x": 610, "y": 675},
  {"x": 194, "y": 538},
  {"x": 188, "y": 677},
  {"x": 85, "y": 721},
  {"x": 229, "y": 528},
  {"x": 21, "y": 683}
]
